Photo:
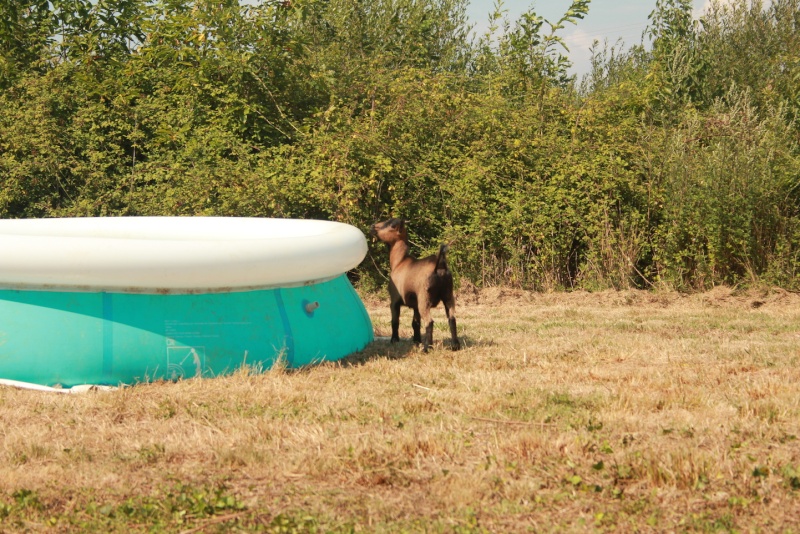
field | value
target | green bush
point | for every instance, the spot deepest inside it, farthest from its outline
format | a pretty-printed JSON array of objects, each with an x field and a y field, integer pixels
[{"x": 675, "y": 167}]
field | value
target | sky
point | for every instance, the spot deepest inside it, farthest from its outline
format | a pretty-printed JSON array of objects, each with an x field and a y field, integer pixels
[{"x": 607, "y": 19}]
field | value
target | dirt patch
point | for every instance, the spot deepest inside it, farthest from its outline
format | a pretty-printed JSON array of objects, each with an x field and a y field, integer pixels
[
  {"x": 720, "y": 296},
  {"x": 494, "y": 296}
]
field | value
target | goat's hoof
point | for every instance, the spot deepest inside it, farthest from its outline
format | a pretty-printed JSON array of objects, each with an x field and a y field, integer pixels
[
  {"x": 395, "y": 340},
  {"x": 455, "y": 346}
]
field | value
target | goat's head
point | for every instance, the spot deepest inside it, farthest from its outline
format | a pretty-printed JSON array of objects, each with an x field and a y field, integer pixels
[{"x": 390, "y": 231}]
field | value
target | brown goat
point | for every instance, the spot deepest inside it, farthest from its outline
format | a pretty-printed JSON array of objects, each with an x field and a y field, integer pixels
[{"x": 419, "y": 284}]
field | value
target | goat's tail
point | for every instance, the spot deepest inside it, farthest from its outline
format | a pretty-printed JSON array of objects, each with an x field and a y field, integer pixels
[{"x": 441, "y": 260}]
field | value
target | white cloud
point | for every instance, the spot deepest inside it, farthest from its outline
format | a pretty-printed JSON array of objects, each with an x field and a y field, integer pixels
[
  {"x": 579, "y": 43},
  {"x": 577, "y": 39}
]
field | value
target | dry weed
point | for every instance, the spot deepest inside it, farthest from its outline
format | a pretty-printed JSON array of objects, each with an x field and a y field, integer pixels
[{"x": 624, "y": 411}]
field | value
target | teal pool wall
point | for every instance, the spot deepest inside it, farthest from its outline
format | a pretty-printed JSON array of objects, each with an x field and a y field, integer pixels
[{"x": 70, "y": 338}]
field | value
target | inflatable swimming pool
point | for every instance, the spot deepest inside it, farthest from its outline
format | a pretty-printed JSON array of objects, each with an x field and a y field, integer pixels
[{"x": 122, "y": 300}]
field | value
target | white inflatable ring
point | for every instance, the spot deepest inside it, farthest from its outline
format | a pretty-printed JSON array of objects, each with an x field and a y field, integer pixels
[{"x": 174, "y": 254}]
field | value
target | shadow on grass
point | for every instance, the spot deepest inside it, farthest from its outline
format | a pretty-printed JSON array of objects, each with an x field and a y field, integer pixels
[
  {"x": 383, "y": 348},
  {"x": 380, "y": 348}
]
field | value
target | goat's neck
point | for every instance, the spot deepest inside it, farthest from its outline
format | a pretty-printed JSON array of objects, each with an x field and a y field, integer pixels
[{"x": 398, "y": 251}]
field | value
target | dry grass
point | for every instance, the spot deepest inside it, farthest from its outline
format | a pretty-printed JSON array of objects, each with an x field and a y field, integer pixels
[{"x": 623, "y": 411}]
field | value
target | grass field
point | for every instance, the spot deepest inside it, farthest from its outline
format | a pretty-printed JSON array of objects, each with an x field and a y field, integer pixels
[{"x": 612, "y": 411}]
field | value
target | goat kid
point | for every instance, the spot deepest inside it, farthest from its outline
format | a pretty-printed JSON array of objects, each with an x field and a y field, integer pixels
[{"x": 419, "y": 284}]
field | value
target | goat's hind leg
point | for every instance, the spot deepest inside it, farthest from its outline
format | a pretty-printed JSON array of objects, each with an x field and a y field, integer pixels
[
  {"x": 428, "y": 334},
  {"x": 450, "y": 311},
  {"x": 424, "y": 308}
]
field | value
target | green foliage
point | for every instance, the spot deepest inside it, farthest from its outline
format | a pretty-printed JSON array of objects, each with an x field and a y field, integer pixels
[
  {"x": 675, "y": 165},
  {"x": 751, "y": 46},
  {"x": 727, "y": 195},
  {"x": 532, "y": 56},
  {"x": 25, "y": 30},
  {"x": 169, "y": 509},
  {"x": 676, "y": 69}
]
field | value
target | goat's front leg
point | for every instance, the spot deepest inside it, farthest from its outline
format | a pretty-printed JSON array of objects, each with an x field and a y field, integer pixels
[
  {"x": 415, "y": 324},
  {"x": 395, "y": 303},
  {"x": 395, "y": 306}
]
